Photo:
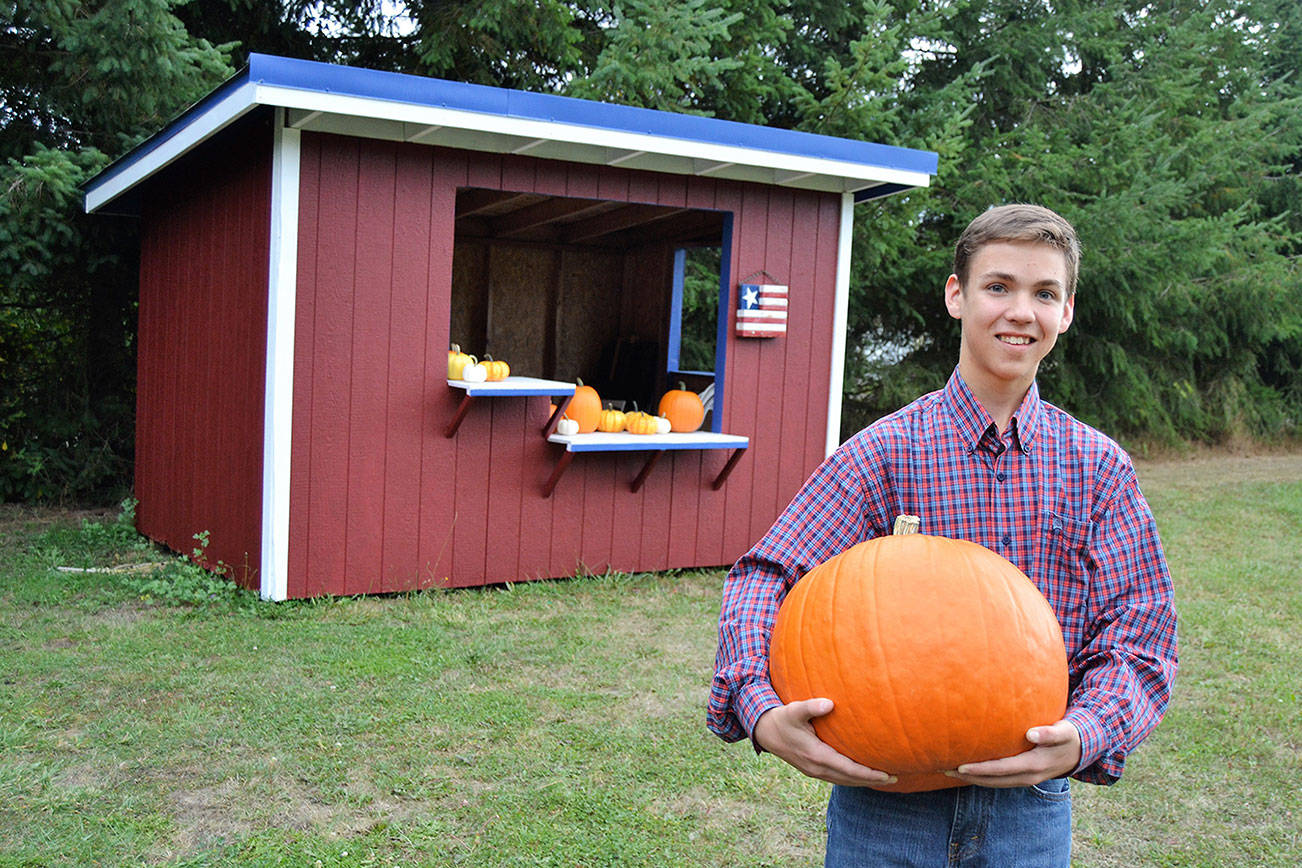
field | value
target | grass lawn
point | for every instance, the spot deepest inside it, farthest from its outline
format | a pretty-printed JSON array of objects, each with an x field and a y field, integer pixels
[{"x": 558, "y": 723}]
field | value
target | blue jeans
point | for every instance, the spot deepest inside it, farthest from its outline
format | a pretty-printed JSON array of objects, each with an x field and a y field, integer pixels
[{"x": 1027, "y": 827}]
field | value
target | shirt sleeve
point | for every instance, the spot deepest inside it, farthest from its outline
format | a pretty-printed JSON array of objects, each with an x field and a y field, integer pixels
[
  {"x": 1125, "y": 668},
  {"x": 826, "y": 516}
]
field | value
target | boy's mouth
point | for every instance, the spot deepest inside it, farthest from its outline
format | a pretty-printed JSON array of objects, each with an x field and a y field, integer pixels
[{"x": 1016, "y": 340}]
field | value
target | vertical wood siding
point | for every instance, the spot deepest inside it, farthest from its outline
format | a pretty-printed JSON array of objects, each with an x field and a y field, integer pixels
[
  {"x": 382, "y": 501},
  {"x": 202, "y": 350}
]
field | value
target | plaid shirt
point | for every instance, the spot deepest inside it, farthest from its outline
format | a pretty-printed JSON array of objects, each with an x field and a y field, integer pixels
[{"x": 1054, "y": 496}]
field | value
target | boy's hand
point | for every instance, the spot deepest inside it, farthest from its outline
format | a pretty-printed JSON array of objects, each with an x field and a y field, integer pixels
[
  {"x": 787, "y": 733},
  {"x": 1056, "y": 754}
]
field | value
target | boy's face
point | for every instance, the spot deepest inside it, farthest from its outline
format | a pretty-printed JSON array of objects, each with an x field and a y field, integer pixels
[{"x": 1013, "y": 308}]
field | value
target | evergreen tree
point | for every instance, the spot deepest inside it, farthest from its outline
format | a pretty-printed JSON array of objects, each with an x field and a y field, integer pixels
[{"x": 80, "y": 82}]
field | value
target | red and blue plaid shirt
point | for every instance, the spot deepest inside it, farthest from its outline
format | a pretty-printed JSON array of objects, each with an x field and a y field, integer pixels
[{"x": 1054, "y": 496}]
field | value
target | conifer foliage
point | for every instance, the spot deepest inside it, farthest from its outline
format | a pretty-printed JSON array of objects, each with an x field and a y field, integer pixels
[{"x": 1169, "y": 133}]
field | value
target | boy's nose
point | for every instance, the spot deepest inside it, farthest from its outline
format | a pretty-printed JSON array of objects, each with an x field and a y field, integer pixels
[{"x": 1019, "y": 309}]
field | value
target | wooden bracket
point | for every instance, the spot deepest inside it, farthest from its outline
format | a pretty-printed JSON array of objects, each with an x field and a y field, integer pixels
[
  {"x": 451, "y": 430},
  {"x": 550, "y": 428},
  {"x": 727, "y": 468},
  {"x": 564, "y": 462},
  {"x": 646, "y": 469}
]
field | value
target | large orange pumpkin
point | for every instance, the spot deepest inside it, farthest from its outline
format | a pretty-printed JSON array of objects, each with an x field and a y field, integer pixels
[
  {"x": 585, "y": 408},
  {"x": 934, "y": 652},
  {"x": 683, "y": 409}
]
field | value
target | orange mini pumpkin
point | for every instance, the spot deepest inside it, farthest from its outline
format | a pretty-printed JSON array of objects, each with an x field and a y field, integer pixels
[
  {"x": 585, "y": 408},
  {"x": 683, "y": 409},
  {"x": 497, "y": 369},
  {"x": 641, "y": 423},
  {"x": 934, "y": 652}
]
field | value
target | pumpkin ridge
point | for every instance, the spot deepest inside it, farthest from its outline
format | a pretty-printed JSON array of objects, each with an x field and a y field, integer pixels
[
  {"x": 973, "y": 575},
  {"x": 878, "y": 589},
  {"x": 835, "y": 689},
  {"x": 800, "y": 674}
]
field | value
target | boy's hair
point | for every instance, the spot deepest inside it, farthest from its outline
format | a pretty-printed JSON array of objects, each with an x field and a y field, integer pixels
[{"x": 1018, "y": 223}]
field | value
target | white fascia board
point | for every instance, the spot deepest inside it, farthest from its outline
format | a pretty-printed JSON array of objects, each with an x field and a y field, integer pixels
[
  {"x": 219, "y": 115},
  {"x": 840, "y": 323},
  {"x": 278, "y": 396},
  {"x": 617, "y": 140}
]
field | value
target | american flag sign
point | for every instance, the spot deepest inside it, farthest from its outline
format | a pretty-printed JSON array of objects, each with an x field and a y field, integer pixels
[{"x": 761, "y": 310}]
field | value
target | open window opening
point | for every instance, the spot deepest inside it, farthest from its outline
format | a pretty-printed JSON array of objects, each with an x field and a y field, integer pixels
[{"x": 567, "y": 288}]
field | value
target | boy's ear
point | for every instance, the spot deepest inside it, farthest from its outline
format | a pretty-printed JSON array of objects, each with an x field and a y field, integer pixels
[
  {"x": 954, "y": 297},
  {"x": 1068, "y": 313}
]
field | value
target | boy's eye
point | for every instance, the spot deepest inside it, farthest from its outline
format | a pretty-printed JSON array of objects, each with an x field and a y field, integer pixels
[{"x": 996, "y": 287}]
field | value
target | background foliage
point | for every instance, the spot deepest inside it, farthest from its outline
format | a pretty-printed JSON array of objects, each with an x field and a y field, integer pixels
[{"x": 1170, "y": 133}]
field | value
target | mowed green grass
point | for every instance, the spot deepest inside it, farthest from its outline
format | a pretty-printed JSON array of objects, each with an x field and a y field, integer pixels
[{"x": 560, "y": 723}]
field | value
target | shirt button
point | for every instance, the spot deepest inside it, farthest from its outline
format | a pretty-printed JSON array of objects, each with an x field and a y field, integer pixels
[
  {"x": 1007, "y": 540},
  {"x": 1000, "y": 477}
]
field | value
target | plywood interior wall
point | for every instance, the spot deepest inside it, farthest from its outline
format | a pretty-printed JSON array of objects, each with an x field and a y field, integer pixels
[{"x": 594, "y": 314}]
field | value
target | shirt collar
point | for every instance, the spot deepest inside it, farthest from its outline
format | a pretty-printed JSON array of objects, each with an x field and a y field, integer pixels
[{"x": 973, "y": 422}]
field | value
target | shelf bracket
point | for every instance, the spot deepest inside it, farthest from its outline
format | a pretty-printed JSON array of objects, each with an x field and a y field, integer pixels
[
  {"x": 451, "y": 430},
  {"x": 727, "y": 468},
  {"x": 563, "y": 462},
  {"x": 646, "y": 470},
  {"x": 550, "y": 428}
]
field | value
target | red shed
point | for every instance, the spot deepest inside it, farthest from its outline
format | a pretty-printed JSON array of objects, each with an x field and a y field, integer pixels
[{"x": 314, "y": 237}]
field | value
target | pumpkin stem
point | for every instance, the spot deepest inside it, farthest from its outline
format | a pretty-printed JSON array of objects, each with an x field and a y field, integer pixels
[
  {"x": 906, "y": 524},
  {"x": 456, "y": 348}
]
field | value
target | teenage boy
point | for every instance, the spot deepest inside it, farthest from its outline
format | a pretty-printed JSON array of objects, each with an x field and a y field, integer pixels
[{"x": 984, "y": 459}]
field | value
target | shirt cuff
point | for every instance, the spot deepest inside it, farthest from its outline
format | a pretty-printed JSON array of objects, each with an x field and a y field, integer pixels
[
  {"x": 752, "y": 701},
  {"x": 1093, "y": 737}
]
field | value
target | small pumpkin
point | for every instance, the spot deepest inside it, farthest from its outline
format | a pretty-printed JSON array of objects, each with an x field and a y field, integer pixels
[
  {"x": 457, "y": 362},
  {"x": 631, "y": 415},
  {"x": 663, "y": 425},
  {"x": 934, "y": 652},
  {"x": 474, "y": 373},
  {"x": 611, "y": 421},
  {"x": 585, "y": 408},
  {"x": 642, "y": 423},
  {"x": 567, "y": 427},
  {"x": 497, "y": 369},
  {"x": 682, "y": 408}
]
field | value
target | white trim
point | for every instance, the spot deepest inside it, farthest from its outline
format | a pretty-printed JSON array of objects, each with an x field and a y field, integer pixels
[
  {"x": 617, "y": 140},
  {"x": 219, "y": 115},
  {"x": 840, "y": 322},
  {"x": 282, "y": 278}
]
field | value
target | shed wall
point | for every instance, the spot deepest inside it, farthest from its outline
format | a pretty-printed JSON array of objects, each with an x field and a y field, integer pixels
[
  {"x": 202, "y": 350},
  {"x": 381, "y": 500}
]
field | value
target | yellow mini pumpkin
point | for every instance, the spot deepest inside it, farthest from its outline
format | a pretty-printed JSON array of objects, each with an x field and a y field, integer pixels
[
  {"x": 457, "y": 362},
  {"x": 611, "y": 421}
]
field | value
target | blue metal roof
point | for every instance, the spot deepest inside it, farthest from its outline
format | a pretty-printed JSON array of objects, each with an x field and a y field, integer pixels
[{"x": 869, "y": 169}]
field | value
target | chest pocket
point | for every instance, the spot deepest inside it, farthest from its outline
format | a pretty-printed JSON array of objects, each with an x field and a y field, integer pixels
[{"x": 1065, "y": 567}]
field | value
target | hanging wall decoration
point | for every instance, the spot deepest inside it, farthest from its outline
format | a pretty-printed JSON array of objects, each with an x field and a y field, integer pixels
[{"x": 761, "y": 308}]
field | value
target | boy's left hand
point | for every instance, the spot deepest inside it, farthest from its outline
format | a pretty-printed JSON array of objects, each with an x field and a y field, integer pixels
[{"x": 1056, "y": 754}]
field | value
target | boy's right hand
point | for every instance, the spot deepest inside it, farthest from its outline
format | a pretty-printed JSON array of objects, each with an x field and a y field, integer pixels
[{"x": 787, "y": 732}]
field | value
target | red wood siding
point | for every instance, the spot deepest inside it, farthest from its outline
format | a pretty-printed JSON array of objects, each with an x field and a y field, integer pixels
[
  {"x": 202, "y": 350},
  {"x": 381, "y": 501}
]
